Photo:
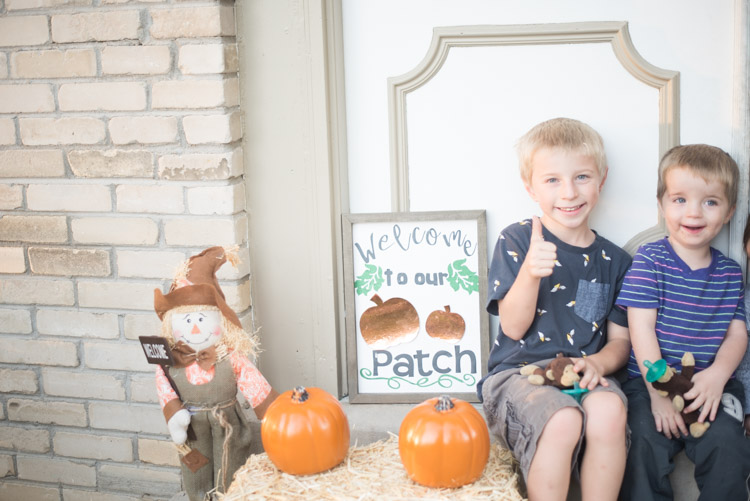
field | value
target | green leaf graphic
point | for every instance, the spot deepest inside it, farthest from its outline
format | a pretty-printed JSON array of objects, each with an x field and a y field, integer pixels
[
  {"x": 461, "y": 277},
  {"x": 370, "y": 280}
]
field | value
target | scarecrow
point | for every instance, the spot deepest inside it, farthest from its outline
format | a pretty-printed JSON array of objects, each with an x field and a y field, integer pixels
[{"x": 212, "y": 361}]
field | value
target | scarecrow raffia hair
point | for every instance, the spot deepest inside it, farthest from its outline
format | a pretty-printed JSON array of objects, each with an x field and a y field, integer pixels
[{"x": 233, "y": 338}]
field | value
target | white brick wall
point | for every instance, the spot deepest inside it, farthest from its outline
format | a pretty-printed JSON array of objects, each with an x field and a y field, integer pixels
[
  {"x": 12, "y": 260},
  {"x": 68, "y": 198},
  {"x": 96, "y": 26},
  {"x": 23, "y": 31},
  {"x": 17, "y": 438},
  {"x": 207, "y": 58},
  {"x": 31, "y": 163},
  {"x": 136, "y": 60},
  {"x": 53, "y": 64},
  {"x": 144, "y": 130},
  {"x": 106, "y": 96},
  {"x": 78, "y": 445},
  {"x": 7, "y": 126},
  {"x": 62, "y": 131},
  {"x": 111, "y": 163},
  {"x": 30, "y": 98},
  {"x": 120, "y": 156}
]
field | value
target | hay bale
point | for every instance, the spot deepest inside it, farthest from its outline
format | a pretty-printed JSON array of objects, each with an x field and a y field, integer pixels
[{"x": 369, "y": 472}]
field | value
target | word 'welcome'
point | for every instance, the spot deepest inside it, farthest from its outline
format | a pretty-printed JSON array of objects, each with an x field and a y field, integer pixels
[{"x": 415, "y": 236}]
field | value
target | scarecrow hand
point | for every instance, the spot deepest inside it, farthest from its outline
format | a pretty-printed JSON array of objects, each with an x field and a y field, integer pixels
[{"x": 178, "y": 425}]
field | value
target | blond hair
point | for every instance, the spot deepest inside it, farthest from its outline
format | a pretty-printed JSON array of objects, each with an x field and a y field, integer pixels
[
  {"x": 709, "y": 162},
  {"x": 233, "y": 338},
  {"x": 565, "y": 133}
]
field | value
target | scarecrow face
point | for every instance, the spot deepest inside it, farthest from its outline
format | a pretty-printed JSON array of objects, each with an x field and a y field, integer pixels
[{"x": 198, "y": 329}]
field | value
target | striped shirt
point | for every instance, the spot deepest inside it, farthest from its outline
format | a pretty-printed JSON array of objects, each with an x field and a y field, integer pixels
[{"x": 694, "y": 307}]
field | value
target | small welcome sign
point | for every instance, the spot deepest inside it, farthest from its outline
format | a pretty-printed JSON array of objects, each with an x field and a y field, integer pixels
[{"x": 416, "y": 288}]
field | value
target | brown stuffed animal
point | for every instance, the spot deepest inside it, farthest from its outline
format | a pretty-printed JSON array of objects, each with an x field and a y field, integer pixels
[
  {"x": 558, "y": 373},
  {"x": 674, "y": 385}
]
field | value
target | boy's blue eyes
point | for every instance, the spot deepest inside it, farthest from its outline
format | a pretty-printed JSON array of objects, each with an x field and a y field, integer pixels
[
  {"x": 711, "y": 203},
  {"x": 581, "y": 177}
]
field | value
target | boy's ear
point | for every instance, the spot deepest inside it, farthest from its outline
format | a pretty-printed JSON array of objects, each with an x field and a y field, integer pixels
[
  {"x": 661, "y": 209},
  {"x": 530, "y": 191},
  {"x": 604, "y": 178},
  {"x": 730, "y": 214}
]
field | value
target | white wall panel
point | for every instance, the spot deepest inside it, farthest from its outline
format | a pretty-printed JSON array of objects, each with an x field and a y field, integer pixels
[{"x": 462, "y": 124}]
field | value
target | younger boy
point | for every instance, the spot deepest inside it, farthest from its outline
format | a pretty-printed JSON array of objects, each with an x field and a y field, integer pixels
[
  {"x": 553, "y": 282},
  {"x": 684, "y": 296}
]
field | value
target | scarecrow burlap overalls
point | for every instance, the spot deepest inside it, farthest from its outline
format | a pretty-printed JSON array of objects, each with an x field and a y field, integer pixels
[{"x": 216, "y": 414}]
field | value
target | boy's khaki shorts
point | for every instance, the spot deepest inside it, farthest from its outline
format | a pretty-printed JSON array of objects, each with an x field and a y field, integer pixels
[{"x": 517, "y": 411}]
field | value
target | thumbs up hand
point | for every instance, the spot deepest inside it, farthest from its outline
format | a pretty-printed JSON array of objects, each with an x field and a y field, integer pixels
[{"x": 540, "y": 259}]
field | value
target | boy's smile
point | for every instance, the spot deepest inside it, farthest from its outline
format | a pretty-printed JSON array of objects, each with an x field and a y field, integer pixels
[
  {"x": 566, "y": 185},
  {"x": 694, "y": 211}
]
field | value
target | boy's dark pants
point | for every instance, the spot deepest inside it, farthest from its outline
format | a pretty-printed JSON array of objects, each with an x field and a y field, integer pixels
[{"x": 721, "y": 455}]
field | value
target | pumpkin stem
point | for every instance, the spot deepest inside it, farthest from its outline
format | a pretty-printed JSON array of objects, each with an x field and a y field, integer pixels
[
  {"x": 299, "y": 395},
  {"x": 447, "y": 308},
  {"x": 444, "y": 403},
  {"x": 376, "y": 299}
]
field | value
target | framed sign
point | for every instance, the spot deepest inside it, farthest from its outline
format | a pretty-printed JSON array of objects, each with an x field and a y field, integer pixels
[{"x": 416, "y": 288}]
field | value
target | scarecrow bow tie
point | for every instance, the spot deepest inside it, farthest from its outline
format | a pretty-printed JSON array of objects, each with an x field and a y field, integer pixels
[{"x": 184, "y": 355}]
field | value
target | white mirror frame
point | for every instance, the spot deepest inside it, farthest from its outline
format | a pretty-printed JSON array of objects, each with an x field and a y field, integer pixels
[{"x": 444, "y": 38}]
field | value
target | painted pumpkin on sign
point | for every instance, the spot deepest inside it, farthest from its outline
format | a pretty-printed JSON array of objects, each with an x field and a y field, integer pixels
[
  {"x": 305, "y": 431},
  {"x": 389, "y": 323},
  {"x": 445, "y": 325},
  {"x": 444, "y": 442}
]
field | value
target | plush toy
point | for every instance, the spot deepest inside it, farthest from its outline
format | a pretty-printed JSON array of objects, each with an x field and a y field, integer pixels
[
  {"x": 558, "y": 373},
  {"x": 673, "y": 385},
  {"x": 198, "y": 394}
]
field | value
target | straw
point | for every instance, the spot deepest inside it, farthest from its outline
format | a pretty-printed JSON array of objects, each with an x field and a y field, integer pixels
[{"x": 369, "y": 472}]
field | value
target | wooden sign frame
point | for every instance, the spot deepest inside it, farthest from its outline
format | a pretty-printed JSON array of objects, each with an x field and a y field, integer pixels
[{"x": 428, "y": 265}]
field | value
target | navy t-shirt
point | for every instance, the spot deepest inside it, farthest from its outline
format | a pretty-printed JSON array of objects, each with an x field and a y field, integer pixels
[{"x": 573, "y": 304}]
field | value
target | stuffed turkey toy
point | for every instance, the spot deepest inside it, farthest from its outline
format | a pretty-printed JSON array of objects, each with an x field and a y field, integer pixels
[{"x": 212, "y": 360}]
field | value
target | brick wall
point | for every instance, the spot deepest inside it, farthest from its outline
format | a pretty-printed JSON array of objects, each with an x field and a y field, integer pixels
[{"x": 120, "y": 156}]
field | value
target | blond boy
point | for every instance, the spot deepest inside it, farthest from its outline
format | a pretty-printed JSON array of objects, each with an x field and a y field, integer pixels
[
  {"x": 684, "y": 296},
  {"x": 553, "y": 282}
]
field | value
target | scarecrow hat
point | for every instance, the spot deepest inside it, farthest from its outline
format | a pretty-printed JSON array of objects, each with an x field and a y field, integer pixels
[{"x": 195, "y": 284}]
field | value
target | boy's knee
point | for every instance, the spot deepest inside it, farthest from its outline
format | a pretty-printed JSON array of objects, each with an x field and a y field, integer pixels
[
  {"x": 565, "y": 425},
  {"x": 606, "y": 417},
  {"x": 726, "y": 438}
]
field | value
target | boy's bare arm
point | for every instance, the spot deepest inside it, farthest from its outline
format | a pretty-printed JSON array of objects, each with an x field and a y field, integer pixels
[
  {"x": 517, "y": 309},
  {"x": 609, "y": 359},
  {"x": 708, "y": 385},
  {"x": 642, "y": 322}
]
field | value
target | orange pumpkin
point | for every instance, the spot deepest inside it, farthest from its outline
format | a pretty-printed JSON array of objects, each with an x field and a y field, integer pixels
[
  {"x": 305, "y": 431},
  {"x": 444, "y": 442}
]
